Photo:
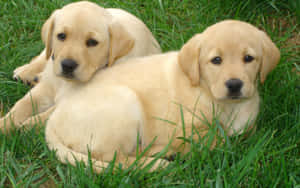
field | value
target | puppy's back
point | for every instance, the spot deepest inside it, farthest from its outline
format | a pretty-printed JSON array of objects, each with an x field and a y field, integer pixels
[{"x": 145, "y": 43}]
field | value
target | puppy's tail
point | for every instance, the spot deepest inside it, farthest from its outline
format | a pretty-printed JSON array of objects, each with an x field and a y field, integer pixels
[{"x": 67, "y": 155}]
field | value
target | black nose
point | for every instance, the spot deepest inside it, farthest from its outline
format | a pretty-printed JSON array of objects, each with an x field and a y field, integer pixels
[
  {"x": 68, "y": 66},
  {"x": 234, "y": 85}
]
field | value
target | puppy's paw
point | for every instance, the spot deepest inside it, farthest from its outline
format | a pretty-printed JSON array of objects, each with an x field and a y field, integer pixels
[
  {"x": 160, "y": 163},
  {"x": 27, "y": 75}
]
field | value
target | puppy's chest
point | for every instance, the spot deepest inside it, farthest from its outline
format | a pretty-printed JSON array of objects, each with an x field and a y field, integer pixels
[
  {"x": 236, "y": 118},
  {"x": 65, "y": 89}
]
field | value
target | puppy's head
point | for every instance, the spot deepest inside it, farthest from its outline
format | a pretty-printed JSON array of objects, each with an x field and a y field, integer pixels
[
  {"x": 81, "y": 38},
  {"x": 227, "y": 58}
]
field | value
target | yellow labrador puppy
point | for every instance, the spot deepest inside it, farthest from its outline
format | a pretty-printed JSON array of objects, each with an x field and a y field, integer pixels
[
  {"x": 215, "y": 70},
  {"x": 80, "y": 39}
]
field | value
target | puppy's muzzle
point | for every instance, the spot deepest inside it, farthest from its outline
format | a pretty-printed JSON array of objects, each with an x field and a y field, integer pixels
[
  {"x": 68, "y": 66},
  {"x": 234, "y": 87}
]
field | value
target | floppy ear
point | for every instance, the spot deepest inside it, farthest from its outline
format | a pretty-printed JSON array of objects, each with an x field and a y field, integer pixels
[
  {"x": 47, "y": 31},
  {"x": 188, "y": 59},
  {"x": 121, "y": 42},
  {"x": 271, "y": 56}
]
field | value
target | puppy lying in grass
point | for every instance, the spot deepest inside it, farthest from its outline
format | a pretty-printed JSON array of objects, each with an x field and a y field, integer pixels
[
  {"x": 80, "y": 39},
  {"x": 121, "y": 109}
]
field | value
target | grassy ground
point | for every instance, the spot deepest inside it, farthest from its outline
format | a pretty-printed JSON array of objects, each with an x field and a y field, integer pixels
[{"x": 269, "y": 158}]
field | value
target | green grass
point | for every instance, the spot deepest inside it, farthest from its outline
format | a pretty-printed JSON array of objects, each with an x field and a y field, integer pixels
[{"x": 269, "y": 158}]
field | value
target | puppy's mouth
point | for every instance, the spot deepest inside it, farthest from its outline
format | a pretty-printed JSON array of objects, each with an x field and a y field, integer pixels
[
  {"x": 235, "y": 96},
  {"x": 231, "y": 98},
  {"x": 68, "y": 76}
]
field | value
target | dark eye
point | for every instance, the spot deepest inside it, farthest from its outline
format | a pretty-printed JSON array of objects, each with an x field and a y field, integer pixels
[
  {"x": 61, "y": 36},
  {"x": 216, "y": 60},
  {"x": 91, "y": 43},
  {"x": 248, "y": 58}
]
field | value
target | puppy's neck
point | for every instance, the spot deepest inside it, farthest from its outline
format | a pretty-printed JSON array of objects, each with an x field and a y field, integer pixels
[{"x": 236, "y": 117}]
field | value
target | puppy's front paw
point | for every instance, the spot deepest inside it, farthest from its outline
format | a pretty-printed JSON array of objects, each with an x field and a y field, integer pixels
[
  {"x": 26, "y": 74},
  {"x": 160, "y": 163}
]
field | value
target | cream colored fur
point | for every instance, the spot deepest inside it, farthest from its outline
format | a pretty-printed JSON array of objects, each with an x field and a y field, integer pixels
[
  {"x": 130, "y": 99},
  {"x": 119, "y": 35}
]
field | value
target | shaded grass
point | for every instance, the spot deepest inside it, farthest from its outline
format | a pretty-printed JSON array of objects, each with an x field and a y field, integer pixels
[{"x": 269, "y": 158}]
